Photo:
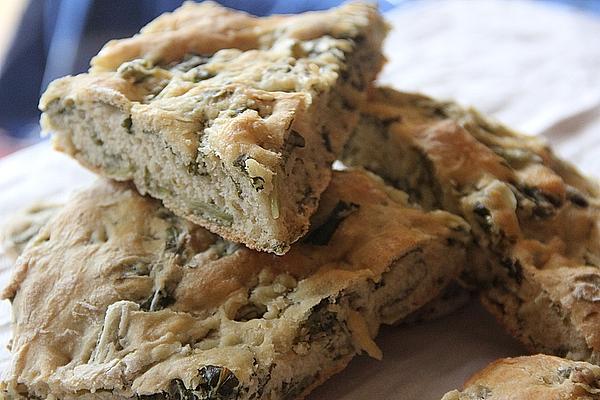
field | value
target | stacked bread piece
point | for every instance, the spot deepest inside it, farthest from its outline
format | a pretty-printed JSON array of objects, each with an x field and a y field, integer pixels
[
  {"x": 221, "y": 257},
  {"x": 535, "y": 223},
  {"x": 535, "y": 220},
  {"x": 232, "y": 121},
  {"x": 140, "y": 302}
]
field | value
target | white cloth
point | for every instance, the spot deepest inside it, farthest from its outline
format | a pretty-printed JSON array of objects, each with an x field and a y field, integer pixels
[{"x": 531, "y": 65}]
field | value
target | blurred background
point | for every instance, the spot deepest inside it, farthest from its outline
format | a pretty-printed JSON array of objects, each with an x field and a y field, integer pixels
[{"x": 41, "y": 40}]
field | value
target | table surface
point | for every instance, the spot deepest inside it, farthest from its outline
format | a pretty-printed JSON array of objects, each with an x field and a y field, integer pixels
[{"x": 526, "y": 63}]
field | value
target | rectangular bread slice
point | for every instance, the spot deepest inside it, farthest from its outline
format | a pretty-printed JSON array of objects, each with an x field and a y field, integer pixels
[
  {"x": 533, "y": 377},
  {"x": 535, "y": 219},
  {"x": 232, "y": 121},
  {"x": 117, "y": 298}
]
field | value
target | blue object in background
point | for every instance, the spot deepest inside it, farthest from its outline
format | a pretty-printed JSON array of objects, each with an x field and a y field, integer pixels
[
  {"x": 592, "y": 6},
  {"x": 58, "y": 37}
]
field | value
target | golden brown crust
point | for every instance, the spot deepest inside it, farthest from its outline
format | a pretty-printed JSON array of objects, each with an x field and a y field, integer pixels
[
  {"x": 208, "y": 27},
  {"x": 531, "y": 378},
  {"x": 119, "y": 296}
]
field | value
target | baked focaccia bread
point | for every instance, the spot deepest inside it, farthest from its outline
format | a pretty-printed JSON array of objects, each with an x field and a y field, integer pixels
[
  {"x": 531, "y": 378},
  {"x": 231, "y": 120},
  {"x": 118, "y": 298},
  {"x": 535, "y": 219}
]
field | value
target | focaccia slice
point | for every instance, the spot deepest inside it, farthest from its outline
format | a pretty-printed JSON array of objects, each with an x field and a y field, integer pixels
[
  {"x": 117, "y": 298},
  {"x": 533, "y": 377},
  {"x": 534, "y": 217},
  {"x": 231, "y": 120}
]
